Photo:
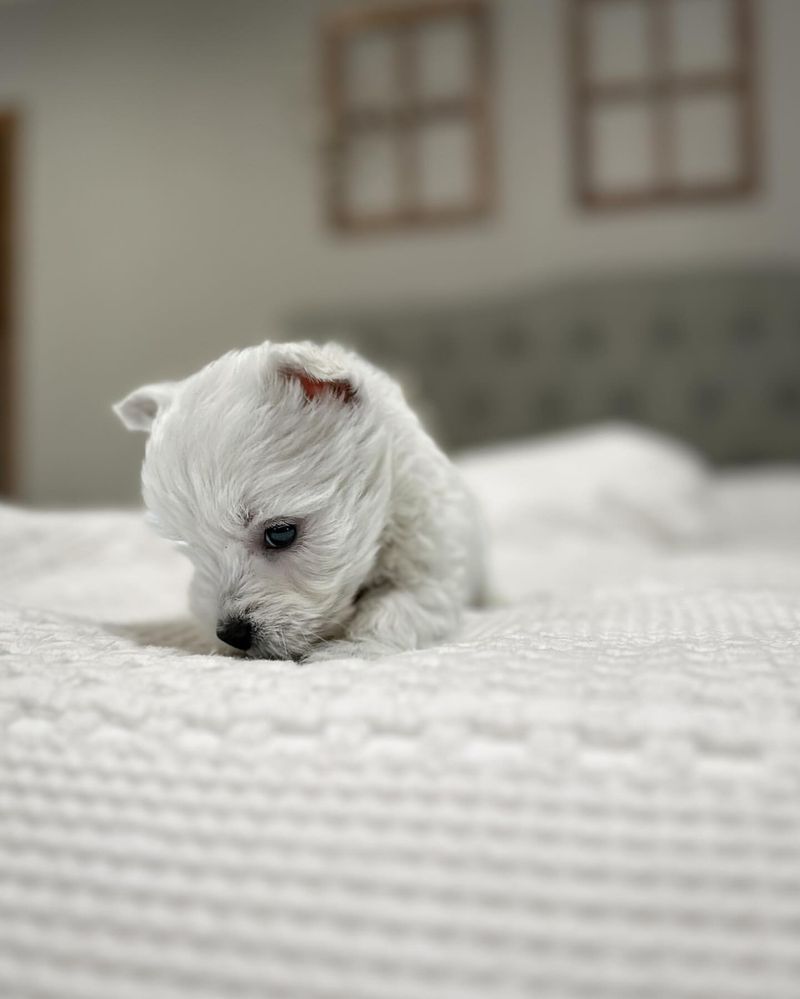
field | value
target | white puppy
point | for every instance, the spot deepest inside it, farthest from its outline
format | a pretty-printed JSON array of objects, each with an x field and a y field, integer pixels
[{"x": 321, "y": 519}]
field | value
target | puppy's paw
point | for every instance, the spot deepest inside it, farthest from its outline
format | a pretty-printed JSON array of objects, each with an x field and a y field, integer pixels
[{"x": 334, "y": 651}]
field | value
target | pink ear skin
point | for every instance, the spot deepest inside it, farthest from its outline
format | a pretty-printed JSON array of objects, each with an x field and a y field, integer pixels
[{"x": 315, "y": 388}]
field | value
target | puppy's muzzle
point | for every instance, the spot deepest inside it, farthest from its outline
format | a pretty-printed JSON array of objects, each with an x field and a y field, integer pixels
[{"x": 236, "y": 632}]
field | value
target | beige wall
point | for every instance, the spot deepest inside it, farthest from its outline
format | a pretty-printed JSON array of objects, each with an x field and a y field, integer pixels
[{"x": 171, "y": 208}]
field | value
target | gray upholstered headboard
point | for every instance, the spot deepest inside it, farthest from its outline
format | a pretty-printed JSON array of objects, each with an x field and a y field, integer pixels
[{"x": 712, "y": 357}]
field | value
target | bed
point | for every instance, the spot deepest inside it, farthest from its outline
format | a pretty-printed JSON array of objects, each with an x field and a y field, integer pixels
[{"x": 592, "y": 790}]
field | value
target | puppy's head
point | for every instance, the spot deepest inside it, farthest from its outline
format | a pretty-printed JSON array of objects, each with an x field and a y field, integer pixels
[{"x": 269, "y": 469}]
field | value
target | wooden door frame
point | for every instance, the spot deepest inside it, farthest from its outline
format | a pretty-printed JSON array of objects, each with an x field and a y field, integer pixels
[{"x": 9, "y": 130}]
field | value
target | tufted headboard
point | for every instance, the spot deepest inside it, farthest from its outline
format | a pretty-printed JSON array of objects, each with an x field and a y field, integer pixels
[{"x": 712, "y": 357}]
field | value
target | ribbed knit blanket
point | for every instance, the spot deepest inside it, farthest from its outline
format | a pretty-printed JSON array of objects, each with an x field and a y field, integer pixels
[{"x": 592, "y": 791}]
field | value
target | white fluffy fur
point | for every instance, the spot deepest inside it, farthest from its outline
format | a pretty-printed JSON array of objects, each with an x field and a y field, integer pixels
[{"x": 389, "y": 544}]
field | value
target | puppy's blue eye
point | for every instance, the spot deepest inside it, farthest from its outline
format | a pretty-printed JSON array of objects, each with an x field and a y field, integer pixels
[{"x": 280, "y": 535}]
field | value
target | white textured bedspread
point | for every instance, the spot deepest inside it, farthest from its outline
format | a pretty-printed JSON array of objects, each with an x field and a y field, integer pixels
[{"x": 593, "y": 792}]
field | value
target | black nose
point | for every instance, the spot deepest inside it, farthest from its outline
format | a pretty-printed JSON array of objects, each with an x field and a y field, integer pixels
[{"x": 236, "y": 631}]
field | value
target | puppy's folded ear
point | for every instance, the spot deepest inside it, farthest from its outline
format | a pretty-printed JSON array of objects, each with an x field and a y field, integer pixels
[
  {"x": 316, "y": 388},
  {"x": 321, "y": 372},
  {"x": 138, "y": 411}
]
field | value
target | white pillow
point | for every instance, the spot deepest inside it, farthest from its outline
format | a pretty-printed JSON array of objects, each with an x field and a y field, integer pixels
[{"x": 609, "y": 480}]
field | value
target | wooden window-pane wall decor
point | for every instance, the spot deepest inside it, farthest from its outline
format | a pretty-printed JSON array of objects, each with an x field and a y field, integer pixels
[
  {"x": 663, "y": 101},
  {"x": 407, "y": 90}
]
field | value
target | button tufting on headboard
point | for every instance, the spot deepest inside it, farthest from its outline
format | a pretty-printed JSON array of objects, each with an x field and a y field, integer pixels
[
  {"x": 585, "y": 339},
  {"x": 707, "y": 400},
  {"x": 666, "y": 333},
  {"x": 514, "y": 342},
  {"x": 786, "y": 400},
  {"x": 748, "y": 330}
]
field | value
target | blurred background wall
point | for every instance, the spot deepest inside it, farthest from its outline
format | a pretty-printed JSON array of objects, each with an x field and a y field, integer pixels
[{"x": 170, "y": 207}]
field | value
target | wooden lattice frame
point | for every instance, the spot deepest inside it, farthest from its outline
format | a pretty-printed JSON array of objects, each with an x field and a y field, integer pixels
[
  {"x": 661, "y": 89},
  {"x": 404, "y": 120}
]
